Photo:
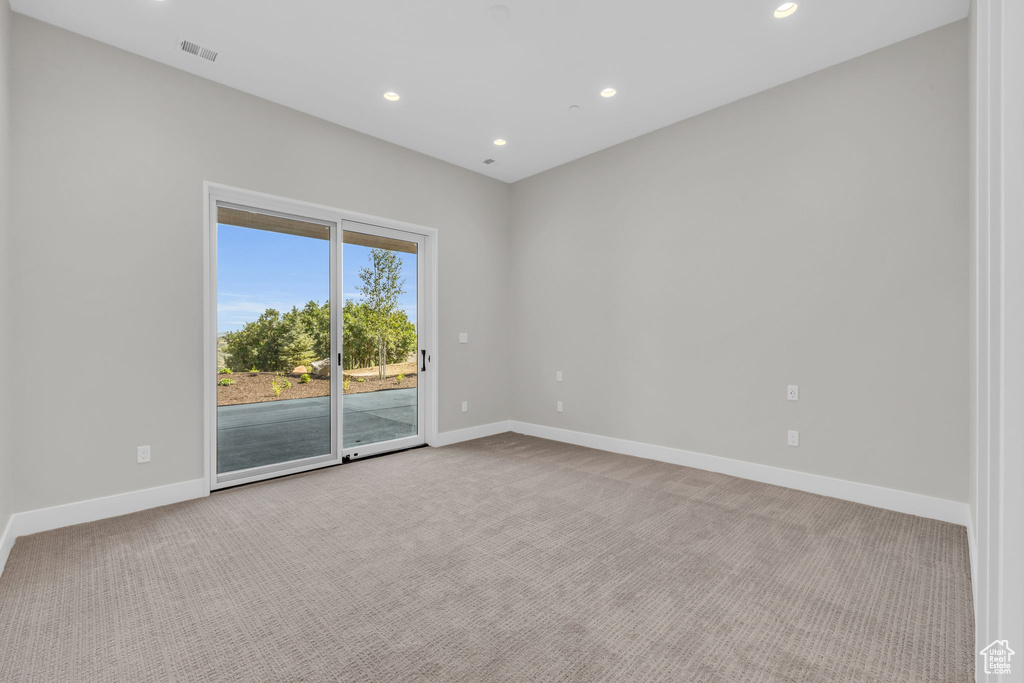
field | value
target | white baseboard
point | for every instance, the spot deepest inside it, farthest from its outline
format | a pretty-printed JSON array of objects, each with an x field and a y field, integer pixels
[
  {"x": 6, "y": 543},
  {"x": 868, "y": 494},
  {"x": 34, "y": 521},
  {"x": 470, "y": 433}
]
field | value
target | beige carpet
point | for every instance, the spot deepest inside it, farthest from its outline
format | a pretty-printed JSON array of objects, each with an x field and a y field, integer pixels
[{"x": 504, "y": 559}]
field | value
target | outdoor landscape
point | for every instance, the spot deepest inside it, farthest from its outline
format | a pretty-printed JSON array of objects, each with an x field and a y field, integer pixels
[
  {"x": 281, "y": 356},
  {"x": 256, "y": 387}
]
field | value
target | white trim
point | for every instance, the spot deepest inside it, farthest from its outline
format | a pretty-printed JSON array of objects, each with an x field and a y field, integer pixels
[
  {"x": 430, "y": 253},
  {"x": 209, "y": 328},
  {"x": 470, "y": 433},
  {"x": 1011, "y": 404},
  {"x": 867, "y": 494},
  {"x": 998, "y": 221},
  {"x": 35, "y": 521},
  {"x": 972, "y": 556},
  {"x": 280, "y": 469},
  {"x": 6, "y": 543}
]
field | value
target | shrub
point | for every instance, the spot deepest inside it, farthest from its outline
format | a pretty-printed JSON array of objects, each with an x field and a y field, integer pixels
[
  {"x": 360, "y": 379},
  {"x": 345, "y": 385},
  {"x": 304, "y": 379},
  {"x": 253, "y": 371},
  {"x": 224, "y": 371},
  {"x": 277, "y": 388},
  {"x": 400, "y": 377},
  {"x": 226, "y": 382}
]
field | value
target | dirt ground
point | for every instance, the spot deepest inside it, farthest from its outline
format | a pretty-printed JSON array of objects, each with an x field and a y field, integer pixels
[
  {"x": 392, "y": 370},
  {"x": 257, "y": 387}
]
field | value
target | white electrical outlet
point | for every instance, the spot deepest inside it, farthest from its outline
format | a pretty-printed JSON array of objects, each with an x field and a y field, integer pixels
[
  {"x": 463, "y": 337},
  {"x": 558, "y": 375},
  {"x": 143, "y": 453},
  {"x": 465, "y": 406},
  {"x": 793, "y": 392},
  {"x": 559, "y": 406},
  {"x": 793, "y": 437}
]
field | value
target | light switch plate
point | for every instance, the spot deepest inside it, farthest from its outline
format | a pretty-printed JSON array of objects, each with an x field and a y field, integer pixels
[{"x": 463, "y": 337}]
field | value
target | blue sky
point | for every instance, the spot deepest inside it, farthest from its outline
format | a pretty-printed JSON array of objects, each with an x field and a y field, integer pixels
[{"x": 259, "y": 269}]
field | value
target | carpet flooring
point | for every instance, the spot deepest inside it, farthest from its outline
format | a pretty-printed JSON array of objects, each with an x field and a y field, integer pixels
[{"x": 508, "y": 558}]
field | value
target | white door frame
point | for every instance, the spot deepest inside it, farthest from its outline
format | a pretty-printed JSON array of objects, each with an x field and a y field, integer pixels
[
  {"x": 998, "y": 217},
  {"x": 426, "y": 382},
  {"x": 245, "y": 476}
]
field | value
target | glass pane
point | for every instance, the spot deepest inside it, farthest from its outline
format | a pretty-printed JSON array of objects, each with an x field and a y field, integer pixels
[
  {"x": 379, "y": 340},
  {"x": 273, "y": 340}
]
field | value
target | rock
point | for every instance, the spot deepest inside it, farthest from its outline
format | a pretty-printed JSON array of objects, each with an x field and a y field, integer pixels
[
  {"x": 321, "y": 368},
  {"x": 300, "y": 370}
]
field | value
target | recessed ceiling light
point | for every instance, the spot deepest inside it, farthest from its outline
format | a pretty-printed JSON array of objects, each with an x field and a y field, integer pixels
[
  {"x": 785, "y": 9},
  {"x": 499, "y": 142},
  {"x": 499, "y": 13},
  {"x": 608, "y": 92},
  {"x": 391, "y": 96}
]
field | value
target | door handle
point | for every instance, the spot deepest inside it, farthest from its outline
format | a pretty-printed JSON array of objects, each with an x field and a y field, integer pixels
[{"x": 424, "y": 360}]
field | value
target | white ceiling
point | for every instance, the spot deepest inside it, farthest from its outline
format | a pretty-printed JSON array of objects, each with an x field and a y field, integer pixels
[{"x": 466, "y": 79}]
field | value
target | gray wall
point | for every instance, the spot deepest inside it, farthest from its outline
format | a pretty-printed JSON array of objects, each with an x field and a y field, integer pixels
[
  {"x": 111, "y": 151},
  {"x": 814, "y": 234},
  {"x": 6, "y": 451}
]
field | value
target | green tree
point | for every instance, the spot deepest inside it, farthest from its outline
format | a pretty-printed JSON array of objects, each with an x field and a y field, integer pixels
[
  {"x": 275, "y": 342},
  {"x": 360, "y": 344},
  {"x": 404, "y": 342},
  {"x": 296, "y": 348},
  {"x": 315, "y": 320},
  {"x": 382, "y": 284},
  {"x": 256, "y": 345}
]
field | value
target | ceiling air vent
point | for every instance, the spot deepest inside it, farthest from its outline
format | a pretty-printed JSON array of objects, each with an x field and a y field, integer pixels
[
  {"x": 198, "y": 50},
  {"x": 488, "y": 161}
]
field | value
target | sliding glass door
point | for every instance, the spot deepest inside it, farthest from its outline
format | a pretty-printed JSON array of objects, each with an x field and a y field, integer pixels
[
  {"x": 383, "y": 356},
  {"x": 276, "y": 402},
  {"x": 320, "y": 350}
]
